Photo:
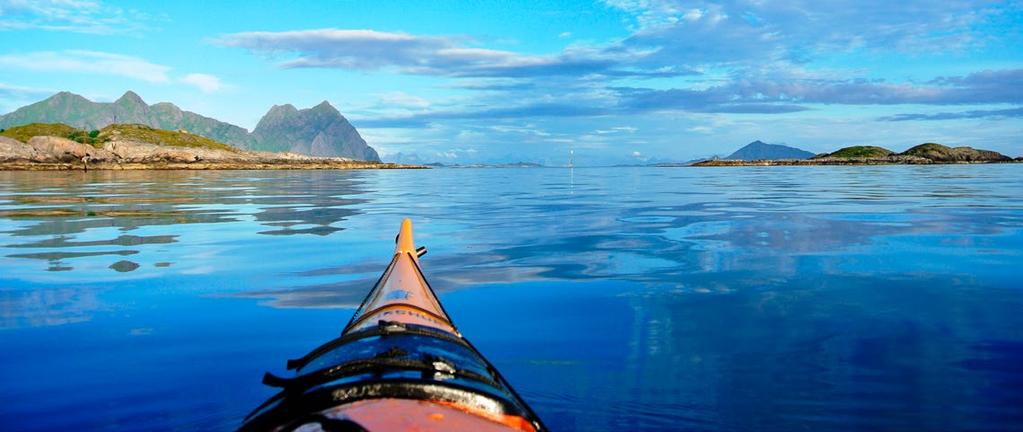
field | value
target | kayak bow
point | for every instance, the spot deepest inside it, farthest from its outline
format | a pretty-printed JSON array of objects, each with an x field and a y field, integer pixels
[{"x": 399, "y": 364}]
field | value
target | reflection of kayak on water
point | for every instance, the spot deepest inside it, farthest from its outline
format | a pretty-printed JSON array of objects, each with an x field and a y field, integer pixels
[{"x": 399, "y": 364}]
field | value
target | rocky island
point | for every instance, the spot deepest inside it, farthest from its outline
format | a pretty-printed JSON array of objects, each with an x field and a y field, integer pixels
[
  {"x": 923, "y": 154},
  {"x": 56, "y": 146}
]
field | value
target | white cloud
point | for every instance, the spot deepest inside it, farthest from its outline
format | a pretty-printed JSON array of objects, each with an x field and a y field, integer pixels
[
  {"x": 526, "y": 129},
  {"x": 204, "y": 82},
  {"x": 565, "y": 35},
  {"x": 93, "y": 62},
  {"x": 403, "y": 100},
  {"x": 77, "y": 16},
  {"x": 693, "y": 15},
  {"x": 103, "y": 63},
  {"x": 620, "y": 129},
  {"x": 10, "y": 90}
]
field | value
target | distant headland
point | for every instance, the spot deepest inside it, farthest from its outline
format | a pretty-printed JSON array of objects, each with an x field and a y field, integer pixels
[
  {"x": 57, "y": 146},
  {"x": 923, "y": 154}
]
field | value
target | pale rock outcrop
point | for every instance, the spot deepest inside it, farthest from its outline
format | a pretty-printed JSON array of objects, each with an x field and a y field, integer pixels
[
  {"x": 65, "y": 150},
  {"x": 14, "y": 150},
  {"x": 138, "y": 152},
  {"x": 54, "y": 153}
]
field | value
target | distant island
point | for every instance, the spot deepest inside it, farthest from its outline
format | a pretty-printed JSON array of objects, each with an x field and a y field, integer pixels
[
  {"x": 923, "y": 154},
  {"x": 317, "y": 131},
  {"x": 57, "y": 146}
]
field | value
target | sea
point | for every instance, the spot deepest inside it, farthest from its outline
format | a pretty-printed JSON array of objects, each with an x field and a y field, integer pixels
[{"x": 867, "y": 298}]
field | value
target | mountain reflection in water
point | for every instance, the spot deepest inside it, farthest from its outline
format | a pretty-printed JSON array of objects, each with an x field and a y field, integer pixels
[{"x": 755, "y": 298}]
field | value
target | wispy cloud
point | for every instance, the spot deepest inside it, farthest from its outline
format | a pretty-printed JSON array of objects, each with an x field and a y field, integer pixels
[
  {"x": 15, "y": 91},
  {"x": 424, "y": 119},
  {"x": 403, "y": 100},
  {"x": 776, "y": 93},
  {"x": 972, "y": 114},
  {"x": 669, "y": 38},
  {"x": 204, "y": 82},
  {"x": 753, "y": 31},
  {"x": 433, "y": 55},
  {"x": 110, "y": 64},
  {"x": 93, "y": 62},
  {"x": 773, "y": 94},
  {"x": 77, "y": 16}
]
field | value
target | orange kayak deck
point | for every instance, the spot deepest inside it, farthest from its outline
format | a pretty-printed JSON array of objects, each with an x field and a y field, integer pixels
[
  {"x": 425, "y": 416},
  {"x": 399, "y": 365},
  {"x": 402, "y": 294}
]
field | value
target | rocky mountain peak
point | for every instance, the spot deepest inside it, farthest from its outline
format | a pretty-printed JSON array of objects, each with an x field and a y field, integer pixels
[
  {"x": 65, "y": 97},
  {"x": 286, "y": 108},
  {"x": 318, "y": 131},
  {"x": 130, "y": 98},
  {"x": 325, "y": 107}
]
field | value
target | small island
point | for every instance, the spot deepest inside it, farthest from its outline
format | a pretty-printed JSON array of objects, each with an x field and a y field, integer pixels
[
  {"x": 923, "y": 154},
  {"x": 57, "y": 146}
]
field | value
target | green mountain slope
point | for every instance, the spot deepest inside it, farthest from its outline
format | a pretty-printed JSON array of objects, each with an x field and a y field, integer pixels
[
  {"x": 114, "y": 132},
  {"x": 860, "y": 152}
]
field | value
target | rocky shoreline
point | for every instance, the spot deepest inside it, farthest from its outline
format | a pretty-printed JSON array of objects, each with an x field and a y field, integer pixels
[{"x": 44, "y": 153}]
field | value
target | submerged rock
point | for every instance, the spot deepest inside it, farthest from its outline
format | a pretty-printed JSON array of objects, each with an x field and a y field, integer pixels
[{"x": 124, "y": 266}]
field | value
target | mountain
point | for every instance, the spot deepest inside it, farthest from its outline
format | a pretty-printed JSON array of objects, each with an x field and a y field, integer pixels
[
  {"x": 321, "y": 131},
  {"x": 77, "y": 111},
  {"x": 317, "y": 131},
  {"x": 758, "y": 150}
]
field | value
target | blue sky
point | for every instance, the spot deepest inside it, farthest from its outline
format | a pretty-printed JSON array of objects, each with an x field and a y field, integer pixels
[{"x": 615, "y": 80}]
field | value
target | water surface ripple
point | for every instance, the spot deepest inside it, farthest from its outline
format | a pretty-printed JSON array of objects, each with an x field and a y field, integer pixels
[{"x": 755, "y": 298}]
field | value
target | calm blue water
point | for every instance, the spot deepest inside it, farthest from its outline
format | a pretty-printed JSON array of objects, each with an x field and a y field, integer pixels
[{"x": 774, "y": 298}]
